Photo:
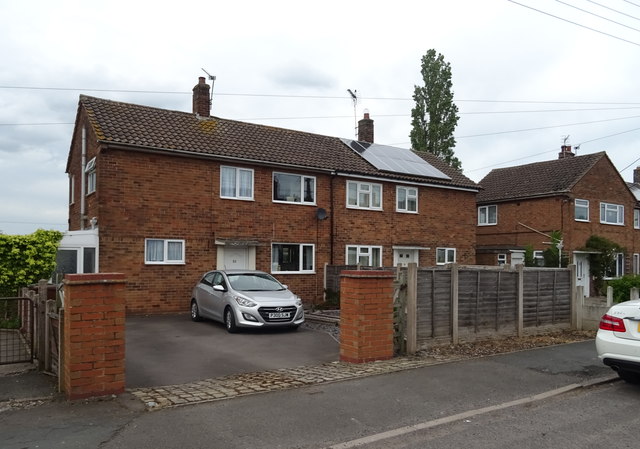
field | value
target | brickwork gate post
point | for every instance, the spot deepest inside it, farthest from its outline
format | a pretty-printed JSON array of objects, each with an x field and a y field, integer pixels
[
  {"x": 366, "y": 315},
  {"x": 94, "y": 335}
]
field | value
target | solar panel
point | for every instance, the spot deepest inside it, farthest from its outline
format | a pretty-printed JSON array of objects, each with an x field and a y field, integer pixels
[{"x": 393, "y": 159}]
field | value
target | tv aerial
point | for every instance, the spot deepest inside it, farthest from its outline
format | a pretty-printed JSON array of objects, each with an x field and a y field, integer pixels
[{"x": 212, "y": 78}]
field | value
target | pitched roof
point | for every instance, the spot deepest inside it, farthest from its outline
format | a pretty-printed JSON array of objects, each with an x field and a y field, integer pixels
[
  {"x": 145, "y": 127},
  {"x": 535, "y": 180}
]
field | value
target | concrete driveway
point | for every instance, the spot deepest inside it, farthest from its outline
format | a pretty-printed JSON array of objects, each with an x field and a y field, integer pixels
[{"x": 171, "y": 349}]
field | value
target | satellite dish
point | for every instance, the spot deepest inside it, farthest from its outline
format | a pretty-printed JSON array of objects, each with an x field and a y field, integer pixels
[{"x": 321, "y": 214}]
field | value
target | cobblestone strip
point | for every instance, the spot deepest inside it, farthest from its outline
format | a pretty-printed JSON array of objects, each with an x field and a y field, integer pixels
[{"x": 261, "y": 382}]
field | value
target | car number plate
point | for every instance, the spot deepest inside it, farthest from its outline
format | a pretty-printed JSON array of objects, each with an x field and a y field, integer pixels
[{"x": 279, "y": 315}]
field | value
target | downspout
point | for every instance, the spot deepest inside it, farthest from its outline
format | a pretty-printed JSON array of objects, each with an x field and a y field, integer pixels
[
  {"x": 83, "y": 177},
  {"x": 332, "y": 215}
]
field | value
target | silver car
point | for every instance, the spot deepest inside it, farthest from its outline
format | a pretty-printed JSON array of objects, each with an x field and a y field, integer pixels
[{"x": 245, "y": 298}]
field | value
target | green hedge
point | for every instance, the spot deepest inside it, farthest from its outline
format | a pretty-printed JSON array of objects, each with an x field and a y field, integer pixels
[
  {"x": 25, "y": 259},
  {"x": 622, "y": 286}
]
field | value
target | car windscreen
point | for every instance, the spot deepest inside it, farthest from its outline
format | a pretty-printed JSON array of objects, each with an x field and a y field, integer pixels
[{"x": 254, "y": 282}]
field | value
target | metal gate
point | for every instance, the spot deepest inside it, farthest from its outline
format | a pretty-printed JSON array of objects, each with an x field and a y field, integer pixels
[{"x": 16, "y": 330}]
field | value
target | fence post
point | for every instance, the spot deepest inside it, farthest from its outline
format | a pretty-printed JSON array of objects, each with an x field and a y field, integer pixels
[
  {"x": 609, "y": 296},
  {"x": 578, "y": 303},
  {"x": 41, "y": 319},
  {"x": 412, "y": 308},
  {"x": 455, "y": 336},
  {"x": 633, "y": 293},
  {"x": 520, "y": 269}
]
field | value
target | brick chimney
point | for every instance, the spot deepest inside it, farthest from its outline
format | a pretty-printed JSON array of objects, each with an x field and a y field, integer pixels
[
  {"x": 565, "y": 151},
  {"x": 365, "y": 128},
  {"x": 636, "y": 175},
  {"x": 201, "y": 98}
]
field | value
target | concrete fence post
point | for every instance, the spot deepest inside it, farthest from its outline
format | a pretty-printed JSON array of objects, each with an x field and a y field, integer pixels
[
  {"x": 94, "y": 335},
  {"x": 609, "y": 296},
  {"x": 578, "y": 301},
  {"x": 366, "y": 315},
  {"x": 455, "y": 285},
  {"x": 412, "y": 308},
  {"x": 633, "y": 293}
]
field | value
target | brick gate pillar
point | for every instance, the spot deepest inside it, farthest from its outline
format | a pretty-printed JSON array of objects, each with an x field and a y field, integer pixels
[
  {"x": 366, "y": 315},
  {"x": 94, "y": 343}
]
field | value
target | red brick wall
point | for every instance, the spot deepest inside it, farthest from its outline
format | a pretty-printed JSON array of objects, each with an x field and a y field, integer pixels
[
  {"x": 94, "y": 339},
  {"x": 366, "y": 316},
  {"x": 601, "y": 184},
  {"x": 145, "y": 195}
]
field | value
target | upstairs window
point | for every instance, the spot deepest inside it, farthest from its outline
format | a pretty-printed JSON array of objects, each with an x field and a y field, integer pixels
[
  {"x": 366, "y": 256},
  {"x": 294, "y": 188},
  {"x": 636, "y": 218},
  {"x": 292, "y": 258},
  {"x": 611, "y": 213},
  {"x": 72, "y": 188},
  {"x": 487, "y": 215},
  {"x": 90, "y": 172},
  {"x": 581, "y": 210},
  {"x": 164, "y": 252},
  {"x": 445, "y": 255},
  {"x": 364, "y": 195},
  {"x": 236, "y": 183},
  {"x": 407, "y": 199}
]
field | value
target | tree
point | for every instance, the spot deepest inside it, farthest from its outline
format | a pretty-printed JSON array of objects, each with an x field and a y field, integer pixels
[
  {"x": 435, "y": 115},
  {"x": 601, "y": 259}
]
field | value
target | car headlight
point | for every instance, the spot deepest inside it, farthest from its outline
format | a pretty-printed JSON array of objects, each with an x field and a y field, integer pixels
[
  {"x": 298, "y": 302},
  {"x": 244, "y": 302}
]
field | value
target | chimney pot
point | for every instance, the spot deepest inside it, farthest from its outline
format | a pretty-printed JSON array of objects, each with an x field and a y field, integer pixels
[
  {"x": 636, "y": 175},
  {"x": 565, "y": 151}
]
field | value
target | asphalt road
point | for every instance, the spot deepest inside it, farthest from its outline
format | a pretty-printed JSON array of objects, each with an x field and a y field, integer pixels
[{"x": 466, "y": 399}]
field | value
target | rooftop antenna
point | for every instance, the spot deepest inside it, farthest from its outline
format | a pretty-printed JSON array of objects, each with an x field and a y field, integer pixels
[
  {"x": 354, "y": 97},
  {"x": 213, "y": 80}
]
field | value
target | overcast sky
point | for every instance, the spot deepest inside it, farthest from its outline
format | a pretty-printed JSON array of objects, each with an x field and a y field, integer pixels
[{"x": 523, "y": 78}]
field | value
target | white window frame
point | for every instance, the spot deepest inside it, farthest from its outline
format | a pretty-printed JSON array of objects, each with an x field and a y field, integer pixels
[
  {"x": 606, "y": 208},
  {"x": 618, "y": 266},
  {"x": 636, "y": 263},
  {"x": 364, "y": 188},
  {"x": 484, "y": 215},
  {"x": 636, "y": 218},
  {"x": 410, "y": 193},
  {"x": 165, "y": 252},
  {"x": 443, "y": 256},
  {"x": 72, "y": 189},
  {"x": 502, "y": 259},
  {"x": 364, "y": 251},
  {"x": 237, "y": 186},
  {"x": 295, "y": 200},
  {"x": 91, "y": 176},
  {"x": 275, "y": 266},
  {"x": 581, "y": 204}
]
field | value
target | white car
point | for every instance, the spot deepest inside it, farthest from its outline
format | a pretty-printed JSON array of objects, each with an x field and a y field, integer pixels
[{"x": 618, "y": 340}]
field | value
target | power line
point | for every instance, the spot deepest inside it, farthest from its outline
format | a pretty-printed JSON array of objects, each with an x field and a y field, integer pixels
[
  {"x": 334, "y": 97},
  {"x": 631, "y": 3},
  {"x": 597, "y": 15},
  {"x": 546, "y": 127},
  {"x": 575, "y": 23},
  {"x": 614, "y": 10}
]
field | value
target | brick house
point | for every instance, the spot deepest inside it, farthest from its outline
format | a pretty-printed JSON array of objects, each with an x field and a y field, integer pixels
[
  {"x": 164, "y": 196},
  {"x": 580, "y": 196}
]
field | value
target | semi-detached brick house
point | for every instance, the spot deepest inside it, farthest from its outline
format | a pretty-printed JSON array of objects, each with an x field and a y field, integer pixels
[
  {"x": 580, "y": 196},
  {"x": 168, "y": 195}
]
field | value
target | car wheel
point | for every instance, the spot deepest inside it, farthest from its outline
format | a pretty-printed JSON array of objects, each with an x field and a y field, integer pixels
[
  {"x": 632, "y": 378},
  {"x": 230, "y": 321},
  {"x": 195, "y": 312}
]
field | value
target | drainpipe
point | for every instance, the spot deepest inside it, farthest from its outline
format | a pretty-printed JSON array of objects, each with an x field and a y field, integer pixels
[
  {"x": 83, "y": 177},
  {"x": 331, "y": 216}
]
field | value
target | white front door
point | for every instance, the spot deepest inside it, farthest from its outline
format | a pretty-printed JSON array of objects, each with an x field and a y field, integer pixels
[
  {"x": 403, "y": 257},
  {"x": 582, "y": 271},
  {"x": 236, "y": 257}
]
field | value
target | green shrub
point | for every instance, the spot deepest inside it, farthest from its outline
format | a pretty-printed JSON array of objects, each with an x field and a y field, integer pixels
[
  {"x": 25, "y": 259},
  {"x": 622, "y": 286}
]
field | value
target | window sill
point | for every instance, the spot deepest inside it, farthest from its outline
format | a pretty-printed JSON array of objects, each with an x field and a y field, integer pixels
[{"x": 293, "y": 272}]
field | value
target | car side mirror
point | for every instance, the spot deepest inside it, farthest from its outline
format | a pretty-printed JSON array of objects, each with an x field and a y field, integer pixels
[{"x": 219, "y": 288}]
